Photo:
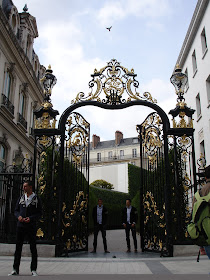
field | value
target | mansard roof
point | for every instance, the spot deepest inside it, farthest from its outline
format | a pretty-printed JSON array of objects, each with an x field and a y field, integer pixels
[{"x": 111, "y": 143}]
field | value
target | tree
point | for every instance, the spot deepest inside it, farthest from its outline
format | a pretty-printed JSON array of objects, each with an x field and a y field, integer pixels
[{"x": 102, "y": 184}]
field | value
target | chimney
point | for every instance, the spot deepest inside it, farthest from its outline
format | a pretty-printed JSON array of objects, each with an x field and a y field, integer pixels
[
  {"x": 118, "y": 137},
  {"x": 95, "y": 141}
]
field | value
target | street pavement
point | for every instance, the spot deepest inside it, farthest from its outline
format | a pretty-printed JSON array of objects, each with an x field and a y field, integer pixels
[{"x": 118, "y": 264}]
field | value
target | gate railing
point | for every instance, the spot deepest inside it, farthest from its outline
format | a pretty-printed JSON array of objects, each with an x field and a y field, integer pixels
[{"x": 11, "y": 185}]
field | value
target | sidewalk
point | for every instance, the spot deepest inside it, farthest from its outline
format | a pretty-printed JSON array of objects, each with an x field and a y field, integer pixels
[
  {"x": 109, "y": 265},
  {"x": 117, "y": 262}
]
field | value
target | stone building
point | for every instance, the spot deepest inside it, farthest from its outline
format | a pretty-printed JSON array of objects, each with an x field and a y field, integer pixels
[
  {"x": 194, "y": 59},
  {"x": 20, "y": 89},
  {"x": 109, "y": 159}
]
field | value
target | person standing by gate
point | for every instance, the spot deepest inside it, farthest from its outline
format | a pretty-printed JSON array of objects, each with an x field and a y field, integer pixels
[
  {"x": 99, "y": 215},
  {"x": 204, "y": 192},
  {"x": 129, "y": 220},
  {"x": 27, "y": 210}
]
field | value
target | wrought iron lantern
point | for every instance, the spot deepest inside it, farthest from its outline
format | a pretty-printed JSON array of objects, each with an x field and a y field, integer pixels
[
  {"x": 179, "y": 81},
  {"x": 46, "y": 115},
  {"x": 48, "y": 81}
]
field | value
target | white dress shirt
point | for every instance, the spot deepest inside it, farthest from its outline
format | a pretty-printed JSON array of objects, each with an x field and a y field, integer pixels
[
  {"x": 99, "y": 214},
  {"x": 29, "y": 198},
  {"x": 129, "y": 214}
]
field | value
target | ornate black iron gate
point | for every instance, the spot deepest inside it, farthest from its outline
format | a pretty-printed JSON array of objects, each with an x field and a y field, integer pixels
[
  {"x": 64, "y": 161},
  {"x": 63, "y": 181},
  {"x": 11, "y": 186},
  {"x": 154, "y": 189}
]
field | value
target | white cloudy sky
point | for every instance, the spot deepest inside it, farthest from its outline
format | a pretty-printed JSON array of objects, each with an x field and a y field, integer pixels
[{"x": 146, "y": 35}]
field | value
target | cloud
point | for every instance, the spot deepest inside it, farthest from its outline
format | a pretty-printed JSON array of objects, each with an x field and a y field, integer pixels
[
  {"x": 148, "y": 9},
  {"x": 159, "y": 89},
  {"x": 62, "y": 44},
  {"x": 73, "y": 70}
]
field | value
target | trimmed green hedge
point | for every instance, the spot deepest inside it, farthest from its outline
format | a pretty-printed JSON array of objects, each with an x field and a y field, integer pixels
[
  {"x": 133, "y": 180},
  {"x": 136, "y": 203},
  {"x": 112, "y": 200}
]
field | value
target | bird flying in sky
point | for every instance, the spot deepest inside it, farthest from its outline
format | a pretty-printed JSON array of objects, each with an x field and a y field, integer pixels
[{"x": 109, "y": 28}]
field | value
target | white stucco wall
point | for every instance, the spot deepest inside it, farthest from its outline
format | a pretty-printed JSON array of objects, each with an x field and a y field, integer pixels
[
  {"x": 116, "y": 174},
  {"x": 197, "y": 84}
]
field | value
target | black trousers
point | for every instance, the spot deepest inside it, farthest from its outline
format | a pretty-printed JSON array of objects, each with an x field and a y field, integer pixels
[
  {"x": 127, "y": 232},
  {"x": 21, "y": 233},
  {"x": 98, "y": 228}
]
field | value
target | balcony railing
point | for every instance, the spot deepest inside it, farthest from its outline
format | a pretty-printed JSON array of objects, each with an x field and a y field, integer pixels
[
  {"x": 7, "y": 104},
  {"x": 113, "y": 158},
  {"x": 22, "y": 121}
]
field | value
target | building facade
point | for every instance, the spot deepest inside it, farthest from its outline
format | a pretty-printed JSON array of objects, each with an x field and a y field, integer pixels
[
  {"x": 20, "y": 89},
  {"x": 194, "y": 59},
  {"x": 109, "y": 159}
]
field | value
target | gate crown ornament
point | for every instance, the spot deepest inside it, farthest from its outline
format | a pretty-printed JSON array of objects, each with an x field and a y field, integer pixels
[
  {"x": 113, "y": 80},
  {"x": 46, "y": 115},
  {"x": 179, "y": 80}
]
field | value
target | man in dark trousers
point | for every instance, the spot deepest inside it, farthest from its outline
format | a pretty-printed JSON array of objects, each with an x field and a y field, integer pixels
[
  {"x": 129, "y": 220},
  {"x": 27, "y": 210},
  {"x": 100, "y": 221}
]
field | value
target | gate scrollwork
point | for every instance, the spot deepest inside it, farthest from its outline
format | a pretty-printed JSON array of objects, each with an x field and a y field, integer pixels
[
  {"x": 152, "y": 136},
  {"x": 77, "y": 137},
  {"x": 113, "y": 80}
]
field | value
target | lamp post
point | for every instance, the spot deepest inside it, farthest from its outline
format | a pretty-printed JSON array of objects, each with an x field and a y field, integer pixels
[
  {"x": 46, "y": 115},
  {"x": 179, "y": 81},
  {"x": 45, "y": 136},
  {"x": 48, "y": 81}
]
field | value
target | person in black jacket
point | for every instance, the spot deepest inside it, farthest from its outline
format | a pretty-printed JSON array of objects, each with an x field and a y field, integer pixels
[
  {"x": 129, "y": 220},
  {"x": 100, "y": 221},
  {"x": 27, "y": 210}
]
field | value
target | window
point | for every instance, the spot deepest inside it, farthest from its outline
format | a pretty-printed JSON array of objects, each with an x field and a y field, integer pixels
[
  {"x": 7, "y": 84},
  {"x": 187, "y": 84},
  {"x": 202, "y": 148},
  {"x": 134, "y": 153},
  {"x": 2, "y": 155},
  {"x": 194, "y": 62},
  {"x": 27, "y": 47},
  {"x": 110, "y": 154},
  {"x": 208, "y": 88},
  {"x": 203, "y": 41},
  {"x": 14, "y": 22},
  {"x": 21, "y": 104},
  {"x": 135, "y": 140},
  {"x": 98, "y": 156},
  {"x": 121, "y": 154},
  {"x": 198, "y": 105},
  {"x": 32, "y": 116}
]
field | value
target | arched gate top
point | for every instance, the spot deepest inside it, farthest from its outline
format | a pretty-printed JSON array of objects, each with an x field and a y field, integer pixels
[{"x": 114, "y": 87}]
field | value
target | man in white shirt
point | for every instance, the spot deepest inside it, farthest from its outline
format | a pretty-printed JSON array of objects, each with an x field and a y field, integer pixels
[
  {"x": 129, "y": 220},
  {"x": 100, "y": 221},
  {"x": 27, "y": 210}
]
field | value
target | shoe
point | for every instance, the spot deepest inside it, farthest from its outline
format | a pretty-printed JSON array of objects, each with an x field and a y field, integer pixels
[
  {"x": 202, "y": 251},
  {"x": 94, "y": 251},
  {"x": 106, "y": 251},
  {"x": 128, "y": 251},
  {"x": 34, "y": 273},
  {"x": 14, "y": 272}
]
